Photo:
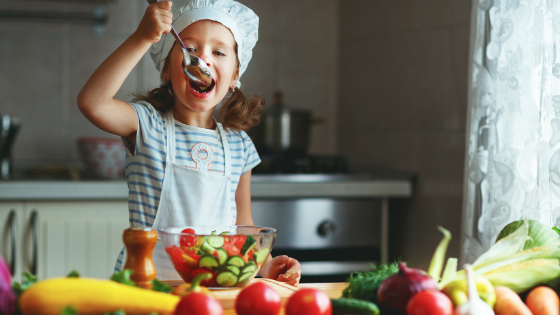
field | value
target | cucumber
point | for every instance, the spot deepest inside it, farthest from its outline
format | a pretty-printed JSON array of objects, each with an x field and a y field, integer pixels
[
  {"x": 261, "y": 255},
  {"x": 246, "y": 276},
  {"x": 250, "y": 268},
  {"x": 353, "y": 306},
  {"x": 225, "y": 233},
  {"x": 207, "y": 248},
  {"x": 208, "y": 261},
  {"x": 215, "y": 241},
  {"x": 236, "y": 261},
  {"x": 226, "y": 279},
  {"x": 234, "y": 269},
  {"x": 222, "y": 256},
  {"x": 249, "y": 243}
]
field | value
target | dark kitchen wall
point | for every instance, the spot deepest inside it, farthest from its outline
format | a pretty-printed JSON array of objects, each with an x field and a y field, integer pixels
[{"x": 402, "y": 104}]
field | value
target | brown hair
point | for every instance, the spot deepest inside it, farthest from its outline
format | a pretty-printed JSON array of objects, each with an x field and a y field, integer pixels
[{"x": 237, "y": 113}]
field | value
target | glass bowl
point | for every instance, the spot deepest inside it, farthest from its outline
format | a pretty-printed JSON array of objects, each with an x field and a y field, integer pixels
[{"x": 233, "y": 254}]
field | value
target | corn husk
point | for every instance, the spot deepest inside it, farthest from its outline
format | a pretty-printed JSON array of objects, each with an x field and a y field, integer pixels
[{"x": 523, "y": 257}]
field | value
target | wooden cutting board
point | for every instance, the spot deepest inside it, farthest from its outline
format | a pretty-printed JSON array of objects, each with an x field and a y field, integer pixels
[{"x": 227, "y": 296}]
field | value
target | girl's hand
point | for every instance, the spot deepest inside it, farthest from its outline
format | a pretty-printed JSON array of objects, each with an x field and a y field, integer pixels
[
  {"x": 156, "y": 22},
  {"x": 282, "y": 268}
]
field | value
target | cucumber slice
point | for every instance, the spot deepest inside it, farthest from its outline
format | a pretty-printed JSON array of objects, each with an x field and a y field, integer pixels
[
  {"x": 207, "y": 248},
  {"x": 225, "y": 233},
  {"x": 249, "y": 243},
  {"x": 236, "y": 261},
  {"x": 214, "y": 232},
  {"x": 215, "y": 241},
  {"x": 222, "y": 256},
  {"x": 208, "y": 261},
  {"x": 249, "y": 268},
  {"x": 246, "y": 276},
  {"x": 234, "y": 269},
  {"x": 261, "y": 255},
  {"x": 226, "y": 279}
]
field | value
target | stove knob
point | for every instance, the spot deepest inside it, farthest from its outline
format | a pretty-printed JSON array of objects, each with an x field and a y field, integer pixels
[{"x": 326, "y": 228}]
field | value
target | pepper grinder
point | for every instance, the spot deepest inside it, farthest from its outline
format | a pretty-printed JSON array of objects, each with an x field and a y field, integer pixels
[{"x": 140, "y": 243}]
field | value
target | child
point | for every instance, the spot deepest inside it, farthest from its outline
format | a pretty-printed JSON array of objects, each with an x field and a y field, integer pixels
[{"x": 184, "y": 168}]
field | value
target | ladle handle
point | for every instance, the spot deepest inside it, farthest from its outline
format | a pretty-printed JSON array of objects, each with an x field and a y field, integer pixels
[{"x": 173, "y": 31}]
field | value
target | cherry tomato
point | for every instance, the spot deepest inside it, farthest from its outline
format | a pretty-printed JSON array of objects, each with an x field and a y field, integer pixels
[
  {"x": 198, "y": 304},
  {"x": 187, "y": 240},
  {"x": 429, "y": 302},
  {"x": 258, "y": 298},
  {"x": 309, "y": 302}
]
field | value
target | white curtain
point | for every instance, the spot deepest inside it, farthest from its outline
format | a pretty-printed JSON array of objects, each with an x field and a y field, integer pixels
[{"x": 512, "y": 166}]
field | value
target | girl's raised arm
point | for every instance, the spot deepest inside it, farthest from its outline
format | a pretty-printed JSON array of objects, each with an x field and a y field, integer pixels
[{"x": 96, "y": 99}]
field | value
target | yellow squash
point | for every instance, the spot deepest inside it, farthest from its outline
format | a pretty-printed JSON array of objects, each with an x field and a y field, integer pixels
[{"x": 93, "y": 296}]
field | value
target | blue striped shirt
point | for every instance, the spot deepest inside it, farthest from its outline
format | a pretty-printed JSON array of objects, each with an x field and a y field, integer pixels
[{"x": 144, "y": 170}]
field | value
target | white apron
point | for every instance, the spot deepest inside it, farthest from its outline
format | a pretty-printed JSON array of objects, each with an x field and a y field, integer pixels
[{"x": 191, "y": 196}]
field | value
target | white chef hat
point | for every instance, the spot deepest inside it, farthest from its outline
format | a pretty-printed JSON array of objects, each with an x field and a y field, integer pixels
[{"x": 241, "y": 21}]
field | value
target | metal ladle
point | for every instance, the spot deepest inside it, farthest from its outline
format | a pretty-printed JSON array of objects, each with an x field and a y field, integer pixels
[{"x": 195, "y": 68}]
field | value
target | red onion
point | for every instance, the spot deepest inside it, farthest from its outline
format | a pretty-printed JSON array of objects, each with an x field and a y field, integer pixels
[
  {"x": 7, "y": 295},
  {"x": 395, "y": 291}
]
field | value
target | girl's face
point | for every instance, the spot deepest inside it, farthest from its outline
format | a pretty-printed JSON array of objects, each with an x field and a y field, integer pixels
[{"x": 214, "y": 43}]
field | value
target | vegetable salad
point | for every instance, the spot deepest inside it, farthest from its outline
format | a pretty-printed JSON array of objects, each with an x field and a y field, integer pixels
[{"x": 233, "y": 260}]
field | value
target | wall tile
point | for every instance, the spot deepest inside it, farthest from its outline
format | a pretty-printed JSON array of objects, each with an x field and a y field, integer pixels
[
  {"x": 378, "y": 84},
  {"x": 360, "y": 19},
  {"x": 310, "y": 20},
  {"x": 389, "y": 149},
  {"x": 30, "y": 80}
]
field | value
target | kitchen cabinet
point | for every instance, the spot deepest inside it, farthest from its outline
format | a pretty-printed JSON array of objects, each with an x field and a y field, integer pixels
[
  {"x": 11, "y": 248},
  {"x": 60, "y": 236}
]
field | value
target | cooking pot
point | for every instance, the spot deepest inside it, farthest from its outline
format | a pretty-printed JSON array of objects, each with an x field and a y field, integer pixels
[{"x": 283, "y": 130}]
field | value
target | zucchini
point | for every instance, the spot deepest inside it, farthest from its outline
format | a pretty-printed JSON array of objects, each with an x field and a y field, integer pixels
[
  {"x": 226, "y": 279},
  {"x": 249, "y": 243},
  {"x": 222, "y": 256},
  {"x": 93, "y": 296},
  {"x": 261, "y": 255},
  {"x": 208, "y": 261},
  {"x": 236, "y": 261},
  {"x": 353, "y": 306}
]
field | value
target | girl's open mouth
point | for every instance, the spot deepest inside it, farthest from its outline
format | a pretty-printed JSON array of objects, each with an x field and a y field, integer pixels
[{"x": 202, "y": 89}]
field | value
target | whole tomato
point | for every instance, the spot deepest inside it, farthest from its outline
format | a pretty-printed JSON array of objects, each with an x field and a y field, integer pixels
[
  {"x": 429, "y": 302},
  {"x": 198, "y": 304},
  {"x": 258, "y": 298},
  {"x": 309, "y": 302}
]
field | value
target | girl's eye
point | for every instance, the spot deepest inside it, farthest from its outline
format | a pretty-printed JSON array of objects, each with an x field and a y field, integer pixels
[
  {"x": 190, "y": 49},
  {"x": 219, "y": 53}
]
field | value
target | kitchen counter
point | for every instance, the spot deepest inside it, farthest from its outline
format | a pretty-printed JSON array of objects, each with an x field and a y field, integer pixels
[{"x": 262, "y": 186}]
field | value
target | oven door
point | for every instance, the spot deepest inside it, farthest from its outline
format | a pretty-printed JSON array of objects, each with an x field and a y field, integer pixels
[{"x": 329, "y": 237}]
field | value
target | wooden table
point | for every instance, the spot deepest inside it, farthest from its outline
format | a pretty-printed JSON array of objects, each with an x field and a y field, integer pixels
[{"x": 227, "y": 296}]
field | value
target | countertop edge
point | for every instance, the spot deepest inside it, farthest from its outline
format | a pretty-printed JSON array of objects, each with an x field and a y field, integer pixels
[{"x": 118, "y": 190}]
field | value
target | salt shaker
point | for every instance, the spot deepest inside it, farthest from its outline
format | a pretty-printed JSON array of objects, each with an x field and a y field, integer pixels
[{"x": 139, "y": 243}]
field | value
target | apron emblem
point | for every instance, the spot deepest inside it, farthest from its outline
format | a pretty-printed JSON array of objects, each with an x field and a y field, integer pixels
[{"x": 203, "y": 155}]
